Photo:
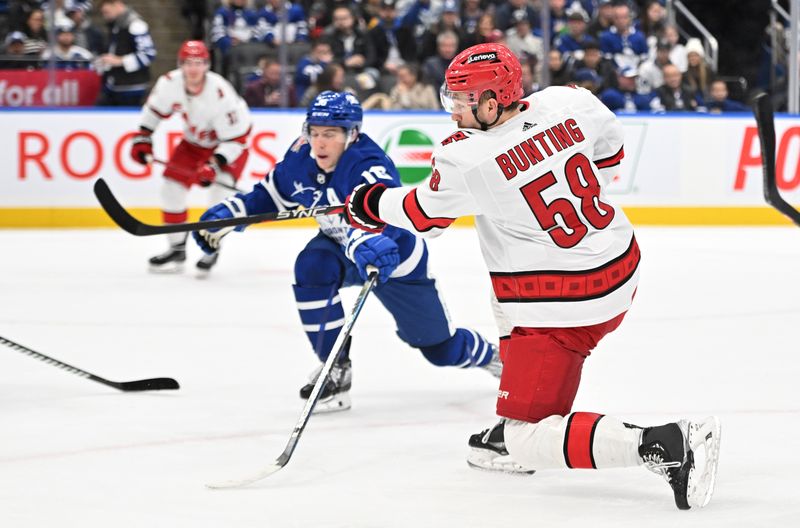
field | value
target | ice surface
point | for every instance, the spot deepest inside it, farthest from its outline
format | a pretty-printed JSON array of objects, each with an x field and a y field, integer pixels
[{"x": 715, "y": 328}]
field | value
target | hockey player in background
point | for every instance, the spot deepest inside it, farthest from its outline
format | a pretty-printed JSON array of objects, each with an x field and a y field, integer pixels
[
  {"x": 321, "y": 168},
  {"x": 213, "y": 149},
  {"x": 563, "y": 261}
]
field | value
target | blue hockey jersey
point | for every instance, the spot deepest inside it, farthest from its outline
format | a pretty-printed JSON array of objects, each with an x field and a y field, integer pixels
[{"x": 298, "y": 181}]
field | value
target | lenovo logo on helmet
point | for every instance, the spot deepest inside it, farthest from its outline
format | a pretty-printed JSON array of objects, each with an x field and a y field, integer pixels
[{"x": 482, "y": 57}]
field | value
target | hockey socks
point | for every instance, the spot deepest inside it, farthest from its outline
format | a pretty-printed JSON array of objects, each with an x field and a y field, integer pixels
[
  {"x": 464, "y": 349},
  {"x": 322, "y": 316}
]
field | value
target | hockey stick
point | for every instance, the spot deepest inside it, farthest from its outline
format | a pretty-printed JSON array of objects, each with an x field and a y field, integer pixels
[
  {"x": 338, "y": 347},
  {"x": 133, "y": 226},
  {"x": 127, "y": 386},
  {"x": 762, "y": 108},
  {"x": 187, "y": 174}
]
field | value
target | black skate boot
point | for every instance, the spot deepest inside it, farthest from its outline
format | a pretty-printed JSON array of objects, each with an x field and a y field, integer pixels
[
  {"x": 488, "y": 451},
  {"x": 335, "y": 396},
  {"x": 171, "y": 261},
  {"x": 670, "y": 450},
  {"x": 205, "y": 264}
]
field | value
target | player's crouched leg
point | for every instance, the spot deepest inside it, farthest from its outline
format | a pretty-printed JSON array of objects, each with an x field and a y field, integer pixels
[{"x": 465, "y": 349}]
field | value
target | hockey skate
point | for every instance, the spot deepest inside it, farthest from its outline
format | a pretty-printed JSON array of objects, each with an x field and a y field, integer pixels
[
  {"x": 335, "y": 396},
  {"x": 671, "y": 451},
  {"x": 171, "y": 261},
  {"x": 205, "y": 264},
  {"x": 488, "y": 451},
  {"x": 494, "y": 366}
]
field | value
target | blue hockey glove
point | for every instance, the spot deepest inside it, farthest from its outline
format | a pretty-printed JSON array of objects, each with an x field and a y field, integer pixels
[
  {"x": 367, "y": 248},
  {"x": 209, "y": 239}
]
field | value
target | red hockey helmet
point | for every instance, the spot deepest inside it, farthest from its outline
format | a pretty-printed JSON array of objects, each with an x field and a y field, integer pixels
[
  {"x": 480, "y": 68},
  {"x": 193, "y": 49}
]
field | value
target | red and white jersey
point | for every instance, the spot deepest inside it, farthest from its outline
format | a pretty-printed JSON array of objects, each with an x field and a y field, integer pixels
[
  {"x": 215, "y": 118},
  {"x": 559, "y": 254}
]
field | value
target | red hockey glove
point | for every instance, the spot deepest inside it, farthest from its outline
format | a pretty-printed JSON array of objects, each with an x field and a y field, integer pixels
[
  {"x": 142, "y": 147},
  {"x": 207, "y": 174},
  {"x": 361, "y": 207}
]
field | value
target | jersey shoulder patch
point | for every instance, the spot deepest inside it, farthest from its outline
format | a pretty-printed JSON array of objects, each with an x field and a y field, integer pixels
[{"x": 138, "y": 27}]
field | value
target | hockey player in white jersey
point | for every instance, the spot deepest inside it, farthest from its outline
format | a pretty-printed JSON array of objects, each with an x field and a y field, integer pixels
[
  {"x": 563, "y": 261},
  {"x": 214, "y": 147}
]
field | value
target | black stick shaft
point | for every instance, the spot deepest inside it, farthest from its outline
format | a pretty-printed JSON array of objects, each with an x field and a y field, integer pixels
[
  {"x": 126, "y": 221},
  {"x": 215, "y": 182}
]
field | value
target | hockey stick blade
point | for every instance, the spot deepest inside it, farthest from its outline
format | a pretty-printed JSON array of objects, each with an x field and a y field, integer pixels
[
  {"x": 137, "y": 228},
  {"x": 126, "y": 386},
  {"x": 762, "y": 108},
  {"x": 319, "y": 385}
]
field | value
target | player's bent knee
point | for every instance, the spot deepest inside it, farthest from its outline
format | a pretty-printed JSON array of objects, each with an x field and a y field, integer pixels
[{"x": 317, "y": 267}]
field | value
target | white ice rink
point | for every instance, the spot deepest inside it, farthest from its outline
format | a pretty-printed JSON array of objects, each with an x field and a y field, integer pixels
[{"x": 715, "y": 328}]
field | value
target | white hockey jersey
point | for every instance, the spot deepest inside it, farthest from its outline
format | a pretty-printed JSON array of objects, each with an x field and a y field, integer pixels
[
  {"x": 216, "y": 118},
  {"x": 558, "y": 253}
]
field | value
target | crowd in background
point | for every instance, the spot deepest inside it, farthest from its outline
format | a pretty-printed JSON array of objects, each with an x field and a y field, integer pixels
[{"x": 391, "y": 53}]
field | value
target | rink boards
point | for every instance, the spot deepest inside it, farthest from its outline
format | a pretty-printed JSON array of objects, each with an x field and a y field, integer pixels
[{"x": 678, "y": 170}]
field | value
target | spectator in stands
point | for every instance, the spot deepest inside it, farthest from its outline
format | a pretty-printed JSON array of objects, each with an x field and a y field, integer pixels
[
  {"x": 126, "y": 63},
  {"x": 14, "y": 53},
  {"x": 622, "y": 43},
  {"x": 265, "y": 92},
  {"x": 195, "y": 12},
  {"x": 409, "y": 93},
  {"x": 651, "y": 23},
  {"x": 67, "y": 54},
  {"x": 521, "y": 40},
  {"x": 393, "y": 43},
  {"x": 471, "y": 12},
  {"x": 698, "y": 73},
  {"x": 36, "y": 35},
  {"x": 448, "y": 21},
  {"x": 560, "y": 70},
  {"x": 86, "y": 34},
  {"x": 675, "y": 95},
  {"x": 19, "y": 11},
  {"x": 529, "y": 78},
  {"x": 603, "y": 20},
  {"x": 651, "y": 71},
  {"x": 594, "y": 60},
  {"x": 349, "y": 44},
  {"x": 233, "y": 24},
  {"x": 270, "y": 27},
  {"x": 558, "y": 18},
  {"x": 588, "y": 78},
  {"x": 571, "y": 43},
  {"x": 311, "y": 66},
  {"x": 678, "y": 54},
  {"x": 624, "y": 98},
  {"x": 504, "y": 14},
  {"x": 718, "y": 101},
  {"x": 434, "y": 67},
  {"x": 331, "y": 78},
  {"x": 486, "y": 32}
]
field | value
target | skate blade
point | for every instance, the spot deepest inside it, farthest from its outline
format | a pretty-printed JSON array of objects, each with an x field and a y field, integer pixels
[
  {"x": 166, "y": 269},
  {"x": 489, "y": 461},
  {"x": 336, "y": 403},
  {"x": 202, "y": 274},
  {"x": 704, "y": 439}
]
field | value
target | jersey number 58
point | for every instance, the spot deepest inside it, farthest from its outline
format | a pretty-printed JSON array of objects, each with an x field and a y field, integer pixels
[{"x": 595, "y": 212}]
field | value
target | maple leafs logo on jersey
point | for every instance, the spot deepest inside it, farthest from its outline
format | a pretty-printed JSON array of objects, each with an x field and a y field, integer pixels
[{"x": 527, "y": 126}]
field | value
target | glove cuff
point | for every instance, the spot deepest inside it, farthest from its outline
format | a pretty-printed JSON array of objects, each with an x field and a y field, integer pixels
[{"x": 372, "y": 200}]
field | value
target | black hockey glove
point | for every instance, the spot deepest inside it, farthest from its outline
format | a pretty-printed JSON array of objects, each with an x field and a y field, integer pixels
[{"x": 361, "y": 207}]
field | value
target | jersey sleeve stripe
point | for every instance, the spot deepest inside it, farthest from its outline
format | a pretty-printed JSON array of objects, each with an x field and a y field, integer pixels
[
  {"x": 421, "y": 221},
  {"x": 611, "y": 160},
  {"x": 159, "y": 114},
  {"x": 567, "y": 286}
]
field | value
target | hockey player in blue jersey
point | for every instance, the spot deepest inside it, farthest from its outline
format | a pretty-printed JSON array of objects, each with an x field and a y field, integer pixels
[{"x": 321, "y": 168}]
